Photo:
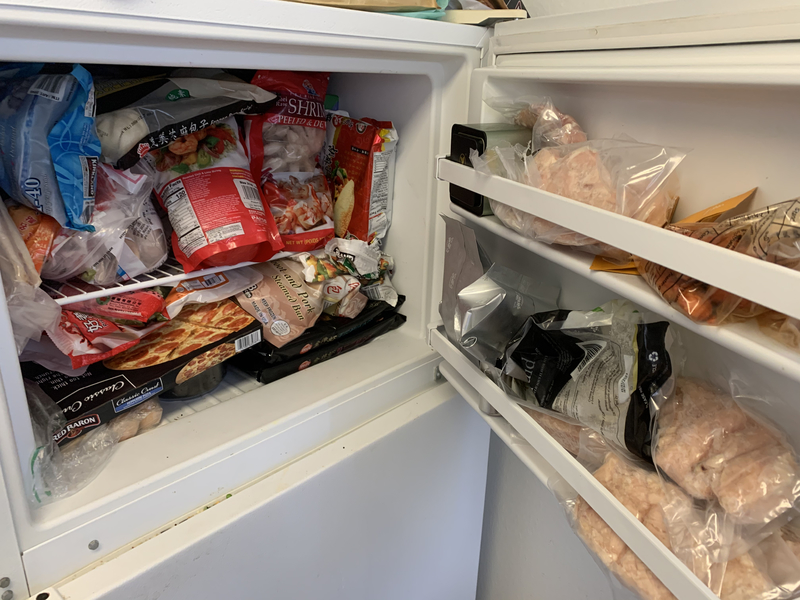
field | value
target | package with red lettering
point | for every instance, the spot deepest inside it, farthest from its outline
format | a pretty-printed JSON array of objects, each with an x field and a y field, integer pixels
[
  {"x": 88, "y": 339},
  {"x": 359, "y": 159},
  {"x": 136, "y": 309},
  {"x": 284, "y": 146},
  {"x": 216, "y": 209}
]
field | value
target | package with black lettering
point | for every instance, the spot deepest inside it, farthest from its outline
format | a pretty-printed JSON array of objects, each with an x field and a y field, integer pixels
[{"x": 600, "y": 368}]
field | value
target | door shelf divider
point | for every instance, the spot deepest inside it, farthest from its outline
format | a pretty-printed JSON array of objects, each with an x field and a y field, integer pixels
[
  {"x": 744, "y": 339},
  {"x": 745, "y": 276},
  {"x": 664, "y": 564}
]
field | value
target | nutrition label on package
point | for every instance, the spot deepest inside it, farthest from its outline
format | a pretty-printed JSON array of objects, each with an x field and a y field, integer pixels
[
  {"x": 183, "y": 218},
  {"x": 379, "y": 197}
]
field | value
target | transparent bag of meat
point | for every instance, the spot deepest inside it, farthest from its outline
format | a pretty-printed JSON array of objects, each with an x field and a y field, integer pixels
[
  {"x": 771, "y": 234},
  {"x": 617, "y": 175},
  {"x": 784, "y": 329},
  {"x": 701, "y": 538},
  {"x": 548, "y": 125},
  {"x": 714, "y": 450}
]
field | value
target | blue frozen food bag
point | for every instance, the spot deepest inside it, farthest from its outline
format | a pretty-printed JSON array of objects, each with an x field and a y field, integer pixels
[{"x": 48, "y": 145}]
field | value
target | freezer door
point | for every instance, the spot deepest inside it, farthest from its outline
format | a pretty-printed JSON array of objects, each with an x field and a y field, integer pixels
[{"x": 392, "y": 510}]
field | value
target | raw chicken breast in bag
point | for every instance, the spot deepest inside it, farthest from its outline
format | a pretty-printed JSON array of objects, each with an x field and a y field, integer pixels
[
  {"x": 618, "y": 175},
  {"x": 548, "y": 125},
  {"x": 706, "y": 443},
  {"x": 216, "y": 209}
]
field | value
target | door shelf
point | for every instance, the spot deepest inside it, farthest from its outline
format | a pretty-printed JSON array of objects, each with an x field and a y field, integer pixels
[
  {"x": 547, "y": 457},
  {"x": 745, "y": 276},
  {"x": 168, "y": 274}
]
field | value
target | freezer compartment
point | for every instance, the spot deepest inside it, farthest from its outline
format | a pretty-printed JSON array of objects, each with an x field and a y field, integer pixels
[
  {"x": 242, "y": 431},
  {"x": 730, "y": 150}
]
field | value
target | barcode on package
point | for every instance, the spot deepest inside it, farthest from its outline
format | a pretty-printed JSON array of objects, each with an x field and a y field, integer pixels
[
  {"x": 248, "y": 192},
  {"x": 203, "y": 283},
  {"x": 51, "y": 87},
  {"x": 591, "y": 351},
  {"x": 251, "y": 339}
]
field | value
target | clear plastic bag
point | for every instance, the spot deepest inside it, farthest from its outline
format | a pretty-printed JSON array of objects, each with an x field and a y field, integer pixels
[
  {"x": 782, "y": 328},
  {"x": 549, "y": 126},
  {"x": 60, "y": 471},
  {"x": 618, "y": 175},
  {"x": 31, "y": 310},
  {"x": 94, "y": 256},
  {"x": 709, "y": 446},
  {"x": 771, "y": 234}
]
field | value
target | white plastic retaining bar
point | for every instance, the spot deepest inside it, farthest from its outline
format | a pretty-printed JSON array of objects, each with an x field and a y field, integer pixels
[
  {"x": 168, "y": 274},
  {"x": 664, "y": 564},
  {"x": 767, "y": 284}
]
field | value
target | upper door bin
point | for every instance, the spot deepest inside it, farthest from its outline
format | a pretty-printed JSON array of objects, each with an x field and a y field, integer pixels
[{"x": 562, "y": 25}]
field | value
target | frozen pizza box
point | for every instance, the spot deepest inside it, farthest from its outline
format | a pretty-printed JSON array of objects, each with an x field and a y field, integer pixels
[{"x": 182, "y": 349}]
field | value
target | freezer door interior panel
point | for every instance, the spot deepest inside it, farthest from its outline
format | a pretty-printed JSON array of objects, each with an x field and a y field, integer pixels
[{"x": 392, "y": 510}]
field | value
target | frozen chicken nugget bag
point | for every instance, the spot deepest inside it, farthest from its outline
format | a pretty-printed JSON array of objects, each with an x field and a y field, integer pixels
[
  {"x": 282, "y": 301},
  {"x": 359, "y": 159},
  {"x": 217, "y": 213}
]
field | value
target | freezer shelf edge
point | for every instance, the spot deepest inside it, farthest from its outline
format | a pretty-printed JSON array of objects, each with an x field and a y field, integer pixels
[{"x": 666, "y": 566}]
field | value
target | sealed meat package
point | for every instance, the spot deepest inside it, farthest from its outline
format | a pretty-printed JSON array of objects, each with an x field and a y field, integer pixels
[
  {"x": 549, "y": 126},
  {"x": 710, "y": 447},
  {"x": 284, "y": 146},
  {"x": 137, "y": 116},
  {"x": 771, "y": 234},
  {"x": 210, "y": 288},
  {"x": 217, "y": 212},
  {"x": 618, "y": 175},
  {"x": 600, "y": 368},
  {"x": 359, "y": 160},
  {"x": 282, "y": 301},
  {"x": 49, "y": 145},
  {"x": 37, "y": 230}
]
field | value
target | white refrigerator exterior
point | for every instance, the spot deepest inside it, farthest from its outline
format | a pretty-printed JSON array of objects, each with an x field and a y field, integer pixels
[{"x": 365, "y": 476}]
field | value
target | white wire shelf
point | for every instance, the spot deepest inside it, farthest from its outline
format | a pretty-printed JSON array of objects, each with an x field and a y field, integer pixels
[{"x": 168, "y": 274}]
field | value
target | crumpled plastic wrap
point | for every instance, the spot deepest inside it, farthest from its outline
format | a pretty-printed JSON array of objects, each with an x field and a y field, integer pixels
[
  {"x": 31, "y": 310},
  {"x": 618, "y": 175}
]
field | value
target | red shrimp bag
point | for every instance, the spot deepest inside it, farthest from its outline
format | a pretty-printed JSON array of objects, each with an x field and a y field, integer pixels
[
  {"x": 215, "y": 207},
  {"x": 284, "y": 145}
]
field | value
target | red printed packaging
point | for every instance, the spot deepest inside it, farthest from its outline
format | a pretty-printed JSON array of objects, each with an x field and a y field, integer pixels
[
  {"x": 88, "y": 339},
  {"x": 135, "y": 309},
  {"x": 214, "y": 205},
  {"x": 284, "y": 145},
  {"x": 359, "y": 160}
]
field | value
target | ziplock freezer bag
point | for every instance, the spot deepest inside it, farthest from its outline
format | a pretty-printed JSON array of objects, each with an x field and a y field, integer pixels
[
  {"x": 549, "y": 126},
  {"x": 599, "y": 367},
  {"x": 618, "y": 175},
  {"x": 50, "y": 148},
  {"x": 463, "y": 264},
  {"x": 94, "y": 255},
  {"x": 713, "y": 449},
  {"x": 492, "y": 308},
  {"x": 771, "y": 234},
  {"x": 782, "y": 328},
  {"x": 30, "y": 309},
  {"x": 136, "y": 116}
]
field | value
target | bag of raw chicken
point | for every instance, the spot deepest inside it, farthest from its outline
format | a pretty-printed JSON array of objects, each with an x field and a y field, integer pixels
[
  {"x": 548, "y": 125},
  {"x": 284, "y": 145},
  {"x": 217, "y": 213},
  {"x": 771, "y": 234},
  {"x": 618, "y": 175},
  {"x": 700, "y": 537}
]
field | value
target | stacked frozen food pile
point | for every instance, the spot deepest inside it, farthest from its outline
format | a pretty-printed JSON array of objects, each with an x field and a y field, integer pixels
[
  {"x": 106, "y": 178},
  {"x": 713, "y": 481}
]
